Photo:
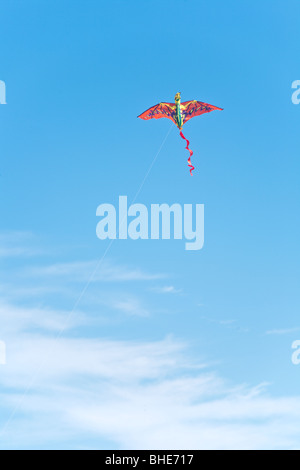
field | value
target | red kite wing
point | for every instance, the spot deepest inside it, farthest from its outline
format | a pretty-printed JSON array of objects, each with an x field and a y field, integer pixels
[
  {"x": 190, "y": 109},
  {"x": 160, "y": 110}
]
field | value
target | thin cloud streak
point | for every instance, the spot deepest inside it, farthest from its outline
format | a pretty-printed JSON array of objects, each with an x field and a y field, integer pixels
[{"x": 80, "y": 271}]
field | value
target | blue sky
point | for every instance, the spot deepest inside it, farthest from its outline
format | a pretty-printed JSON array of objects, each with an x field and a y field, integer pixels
[{"x": 165, "y": 348}]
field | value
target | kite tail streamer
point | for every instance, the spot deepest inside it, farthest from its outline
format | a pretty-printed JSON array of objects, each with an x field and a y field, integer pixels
[{"x": 191, "y": 153}]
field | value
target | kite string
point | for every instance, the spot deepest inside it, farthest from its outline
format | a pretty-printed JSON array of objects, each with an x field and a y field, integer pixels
[
  {"x": 191, "y": 153},
  {"x": 152, "y": 163}
]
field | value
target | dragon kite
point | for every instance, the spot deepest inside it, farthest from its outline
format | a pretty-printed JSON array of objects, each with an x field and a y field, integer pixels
[{"x": 179, "y": 113}]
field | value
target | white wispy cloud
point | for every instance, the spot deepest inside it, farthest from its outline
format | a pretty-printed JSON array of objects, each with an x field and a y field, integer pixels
[
  {"x": 130, "y": 305},
  {"x": 92, "y": 270},
  {"x": 61, "y": 383},
  {"x": 15, "y": 319},
  {"x": 14, "y": 244},
  {"x": 139, "y": 395},
  {"x": 166, "y": 290},
  {"x": 283, "y": 331}
]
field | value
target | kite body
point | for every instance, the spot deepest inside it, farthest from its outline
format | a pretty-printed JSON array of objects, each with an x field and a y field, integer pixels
[{"x": 179, "y": 113}]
